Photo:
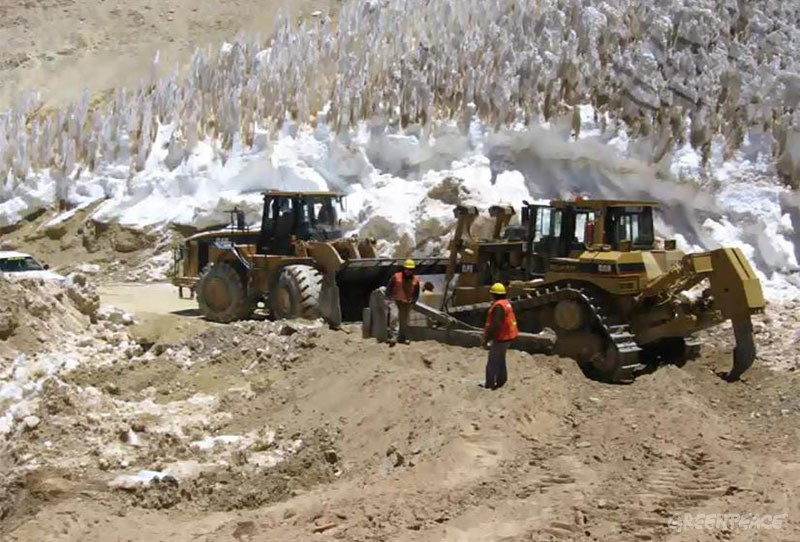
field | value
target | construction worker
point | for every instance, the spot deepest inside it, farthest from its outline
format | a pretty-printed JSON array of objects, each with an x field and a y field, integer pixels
[
  {"x": 499, "y": 331},
  {"x": 403, "y": 289}
]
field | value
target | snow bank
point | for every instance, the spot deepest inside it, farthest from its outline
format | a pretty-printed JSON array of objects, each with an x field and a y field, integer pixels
[
  {"x": 489, "y": 103},
  {"x": 738, "y": 204}
]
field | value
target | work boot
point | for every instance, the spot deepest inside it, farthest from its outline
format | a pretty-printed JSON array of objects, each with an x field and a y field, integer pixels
[{"x": 392, "y": 342}]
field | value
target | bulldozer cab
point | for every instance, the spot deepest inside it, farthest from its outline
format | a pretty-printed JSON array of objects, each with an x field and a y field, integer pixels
[
  {"x": 305, "y": 216},
  {"x": 565, "y": 229}
]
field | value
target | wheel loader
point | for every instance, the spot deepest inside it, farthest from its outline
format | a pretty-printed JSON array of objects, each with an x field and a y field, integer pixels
[
  {"x": 592, "y": 272},
  {"x": 298, "y": 263}
]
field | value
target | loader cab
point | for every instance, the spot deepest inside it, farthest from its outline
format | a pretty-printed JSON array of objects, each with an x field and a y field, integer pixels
[
  {"x": 565, "y": 229},
  {"x": 305, "y": 216}
]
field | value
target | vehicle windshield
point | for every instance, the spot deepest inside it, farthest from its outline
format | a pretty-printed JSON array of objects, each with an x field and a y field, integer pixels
[
  {"x": 633, "y": 224},
  {"x": 321, "y": 215},
  {"x": 325, "y": 214},
  {"x": 18, "y": 264}
]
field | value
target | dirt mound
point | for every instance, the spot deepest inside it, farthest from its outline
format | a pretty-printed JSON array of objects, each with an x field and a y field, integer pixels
[
  {"x": 12, "y": 485},
  {"x": 292, "y": 431},
  {"x": 254, "y": 478},
  {"x": 34, "y": 312},
  {"x": 50, "y": 328},
  {"x": 105, "y": 250},
  {"x": 250, "y": 352},
  {"x": 776, "y": 334}
]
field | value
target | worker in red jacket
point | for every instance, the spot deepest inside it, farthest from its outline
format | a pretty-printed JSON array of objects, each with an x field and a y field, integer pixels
[
  {"x": 403, "y": 290},
  {"x": 499, "y": 331}
]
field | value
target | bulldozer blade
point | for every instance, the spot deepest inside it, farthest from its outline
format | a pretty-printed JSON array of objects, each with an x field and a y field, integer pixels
[
  {"x": 330, "y": 307},
  {"x": 745, "y": 351},
  {"x": 472, "y": 338},
  {"x": 441, "y": 318}
]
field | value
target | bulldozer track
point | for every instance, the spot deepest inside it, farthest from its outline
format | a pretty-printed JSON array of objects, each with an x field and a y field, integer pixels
[{"x": 621, "y": 344}]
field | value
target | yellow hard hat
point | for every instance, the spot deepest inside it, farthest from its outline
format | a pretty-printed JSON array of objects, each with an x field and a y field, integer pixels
[
  {"x": 498, "y": 289},
  {"x": 409, "y": 264}
]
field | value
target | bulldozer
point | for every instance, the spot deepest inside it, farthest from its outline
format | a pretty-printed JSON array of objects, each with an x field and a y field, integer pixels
[
  {"x": 297, "y": 263},
  {"x": 593, "y": 273}
]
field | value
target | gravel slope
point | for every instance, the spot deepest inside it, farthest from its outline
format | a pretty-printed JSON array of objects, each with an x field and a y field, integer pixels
[{"x": 61, "y": 47}]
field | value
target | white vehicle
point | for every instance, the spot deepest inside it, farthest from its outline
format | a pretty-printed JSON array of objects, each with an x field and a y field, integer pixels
[{"x": 20, "y": 265}]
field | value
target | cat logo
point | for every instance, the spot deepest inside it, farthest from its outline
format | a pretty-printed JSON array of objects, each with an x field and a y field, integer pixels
[{"x": 604, "y": 268}]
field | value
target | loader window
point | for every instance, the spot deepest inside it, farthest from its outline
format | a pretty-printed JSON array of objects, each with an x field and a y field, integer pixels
[
  {"x": 271, "y": 216},
  {"x": 542, "y": 223},
  {"x": 556, "y": 229},
  {"x": 278, "y": 225},
  {"x": 628, "y": 228},
  {"x": 548, "y": 223},
  {"x": 284, "y": 220},
  {"x": 546, "y": 229},
  {"x": 323, "y": 214}
]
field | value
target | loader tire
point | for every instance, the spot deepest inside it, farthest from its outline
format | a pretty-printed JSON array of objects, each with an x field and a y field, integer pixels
[
  {"x": 221, "y": 294},
  {"x": 297, "y": 294}
]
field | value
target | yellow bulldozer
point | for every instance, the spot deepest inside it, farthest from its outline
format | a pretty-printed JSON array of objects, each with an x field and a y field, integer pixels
[
  {"x": 298, "y": 263},
  {"x": 592, "y": 272}
]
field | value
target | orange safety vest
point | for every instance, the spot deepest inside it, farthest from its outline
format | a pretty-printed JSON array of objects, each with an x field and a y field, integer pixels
[
  {"x": 403, "y": 290},
  {"x": 508, "y": 330}
]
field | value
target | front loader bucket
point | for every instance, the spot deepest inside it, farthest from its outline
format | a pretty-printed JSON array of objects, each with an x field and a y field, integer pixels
[
  {"x": 330, "y": 306},
  {"x": 358, "y": 278},
  {"x": 745, "y": 351}
]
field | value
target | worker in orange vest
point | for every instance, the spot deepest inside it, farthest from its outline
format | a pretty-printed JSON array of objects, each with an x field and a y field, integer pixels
[
  {"x": 403, "y": 290},
  {"x": 499, "y": 331}
]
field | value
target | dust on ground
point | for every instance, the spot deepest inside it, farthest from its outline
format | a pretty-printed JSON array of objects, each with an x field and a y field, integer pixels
[{"x": 291, "y": 431}]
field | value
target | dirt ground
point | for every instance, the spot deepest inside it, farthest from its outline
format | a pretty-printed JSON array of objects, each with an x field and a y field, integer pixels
[
  {"x": 60, "y": 47},
  {"x": 316, "y": 434},
  {"x": 400, "y": 444}
]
